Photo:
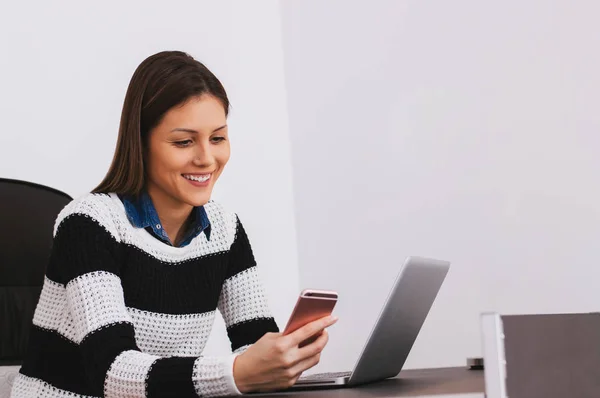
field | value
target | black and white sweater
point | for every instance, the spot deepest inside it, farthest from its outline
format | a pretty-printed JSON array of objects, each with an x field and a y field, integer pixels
[{"x": 122, "y": 314}]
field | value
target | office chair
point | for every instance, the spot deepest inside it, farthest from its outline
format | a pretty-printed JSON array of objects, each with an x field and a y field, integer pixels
[{"x": 27, "y": 215}]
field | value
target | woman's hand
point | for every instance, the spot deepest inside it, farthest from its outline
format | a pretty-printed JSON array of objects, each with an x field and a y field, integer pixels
[{"x": 276, "y": 361}]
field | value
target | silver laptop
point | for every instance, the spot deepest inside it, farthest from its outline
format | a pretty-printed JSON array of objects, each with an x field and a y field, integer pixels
[{"x": 396, "y": 329}]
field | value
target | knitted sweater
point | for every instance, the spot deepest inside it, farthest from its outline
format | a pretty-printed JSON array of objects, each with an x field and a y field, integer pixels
[{"x": 122, "y": 314}]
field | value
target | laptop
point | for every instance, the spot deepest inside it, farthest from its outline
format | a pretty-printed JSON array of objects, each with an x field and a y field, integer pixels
[{"x": 396, "y": 329}]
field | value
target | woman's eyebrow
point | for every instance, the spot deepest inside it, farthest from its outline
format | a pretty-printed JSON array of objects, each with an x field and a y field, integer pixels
[{"x": 185, "y": 130}]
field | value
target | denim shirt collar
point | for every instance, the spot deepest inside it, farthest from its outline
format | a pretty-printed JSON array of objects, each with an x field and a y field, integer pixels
[{"x": 142, "y": 214}]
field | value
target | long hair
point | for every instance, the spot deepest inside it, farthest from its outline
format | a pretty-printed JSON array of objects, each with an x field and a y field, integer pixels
[{"x": 161, "y": 82}]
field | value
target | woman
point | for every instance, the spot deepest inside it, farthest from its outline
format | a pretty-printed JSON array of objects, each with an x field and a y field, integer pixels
[{"x": 140, "y": 266}]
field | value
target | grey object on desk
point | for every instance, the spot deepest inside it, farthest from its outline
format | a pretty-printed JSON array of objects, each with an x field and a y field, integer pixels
[
  {"x": 549, "y": 356},
  {"x": 404, "y": 312},
  {"x": 475, "y": 363}
]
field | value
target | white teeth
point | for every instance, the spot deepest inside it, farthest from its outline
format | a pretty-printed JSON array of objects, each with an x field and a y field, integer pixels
[{"x": 197, "y": 178}]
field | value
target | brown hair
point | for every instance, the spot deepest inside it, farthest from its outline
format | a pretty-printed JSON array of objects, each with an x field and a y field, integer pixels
[{"x": 161, "y": 82}]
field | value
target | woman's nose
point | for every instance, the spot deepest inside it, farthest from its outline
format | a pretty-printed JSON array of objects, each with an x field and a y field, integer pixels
[{"x": 203, "y": 156}]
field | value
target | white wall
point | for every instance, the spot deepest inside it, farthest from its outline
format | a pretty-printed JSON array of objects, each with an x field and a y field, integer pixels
[
  {"x": 463, "y": 130},
  {"x": 64, "y": 70}
]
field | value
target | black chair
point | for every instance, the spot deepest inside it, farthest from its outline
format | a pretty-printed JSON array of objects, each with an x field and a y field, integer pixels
[{"x": 27, "y": 215}]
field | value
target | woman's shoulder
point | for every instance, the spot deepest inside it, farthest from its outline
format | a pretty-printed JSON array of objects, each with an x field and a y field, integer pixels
[
  {"x": 221, "y": 218},
  {"x": 98, "y": 207}
]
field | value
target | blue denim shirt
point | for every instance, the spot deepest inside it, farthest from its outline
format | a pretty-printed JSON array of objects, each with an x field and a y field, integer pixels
[{"x": 142, "y": 214}]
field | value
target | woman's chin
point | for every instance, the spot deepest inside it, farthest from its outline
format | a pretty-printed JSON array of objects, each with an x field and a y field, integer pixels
[{"x": 197, "y": 200}]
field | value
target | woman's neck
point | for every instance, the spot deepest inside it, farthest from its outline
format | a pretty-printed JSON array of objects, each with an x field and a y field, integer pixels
[{"x": 173, "y": 214}]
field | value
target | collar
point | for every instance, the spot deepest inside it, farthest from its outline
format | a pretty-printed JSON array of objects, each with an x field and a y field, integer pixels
[{"x": 142, "y": 214}]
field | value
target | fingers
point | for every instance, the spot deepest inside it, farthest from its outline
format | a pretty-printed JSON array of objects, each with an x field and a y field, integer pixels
[
  {"x": 294, "y": 372},
  {"x": 310, "y": 329},
  {"x": 315, "y": 347}
]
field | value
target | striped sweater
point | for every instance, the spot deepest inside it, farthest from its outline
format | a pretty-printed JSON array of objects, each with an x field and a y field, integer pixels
[{"x": 122, "y": 314}]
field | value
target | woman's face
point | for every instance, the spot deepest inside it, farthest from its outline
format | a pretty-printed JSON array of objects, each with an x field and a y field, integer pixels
[{"x": 187, "y": 152}]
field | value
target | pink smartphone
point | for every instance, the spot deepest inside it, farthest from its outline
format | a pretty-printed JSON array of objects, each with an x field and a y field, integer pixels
[{"x": 311, "y": 305}]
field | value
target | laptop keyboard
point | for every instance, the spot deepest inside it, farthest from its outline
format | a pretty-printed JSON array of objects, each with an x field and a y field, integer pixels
[{"x": 328, "y": 375}]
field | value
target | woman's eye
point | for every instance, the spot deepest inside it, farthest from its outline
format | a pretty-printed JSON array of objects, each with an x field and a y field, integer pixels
[
  {"x": 183, "y": 143},
  {"x": 218, "y": 139}
]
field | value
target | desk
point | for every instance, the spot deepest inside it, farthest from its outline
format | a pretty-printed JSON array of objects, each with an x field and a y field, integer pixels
[{"x": 459, "y": 382}]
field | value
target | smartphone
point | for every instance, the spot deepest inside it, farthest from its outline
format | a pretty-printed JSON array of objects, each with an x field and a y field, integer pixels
[{"x": 311, "y": 305}]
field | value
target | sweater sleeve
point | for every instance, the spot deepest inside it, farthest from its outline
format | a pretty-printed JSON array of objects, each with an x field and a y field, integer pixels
[
  {"x": 86, "y": 259},
  {"x": 243, "y": 300}
]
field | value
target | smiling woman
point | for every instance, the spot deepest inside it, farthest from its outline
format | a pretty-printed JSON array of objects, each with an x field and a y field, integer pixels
[
  {"x": 140, "y": 266},
  {"x": 183, "y": 163}
]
